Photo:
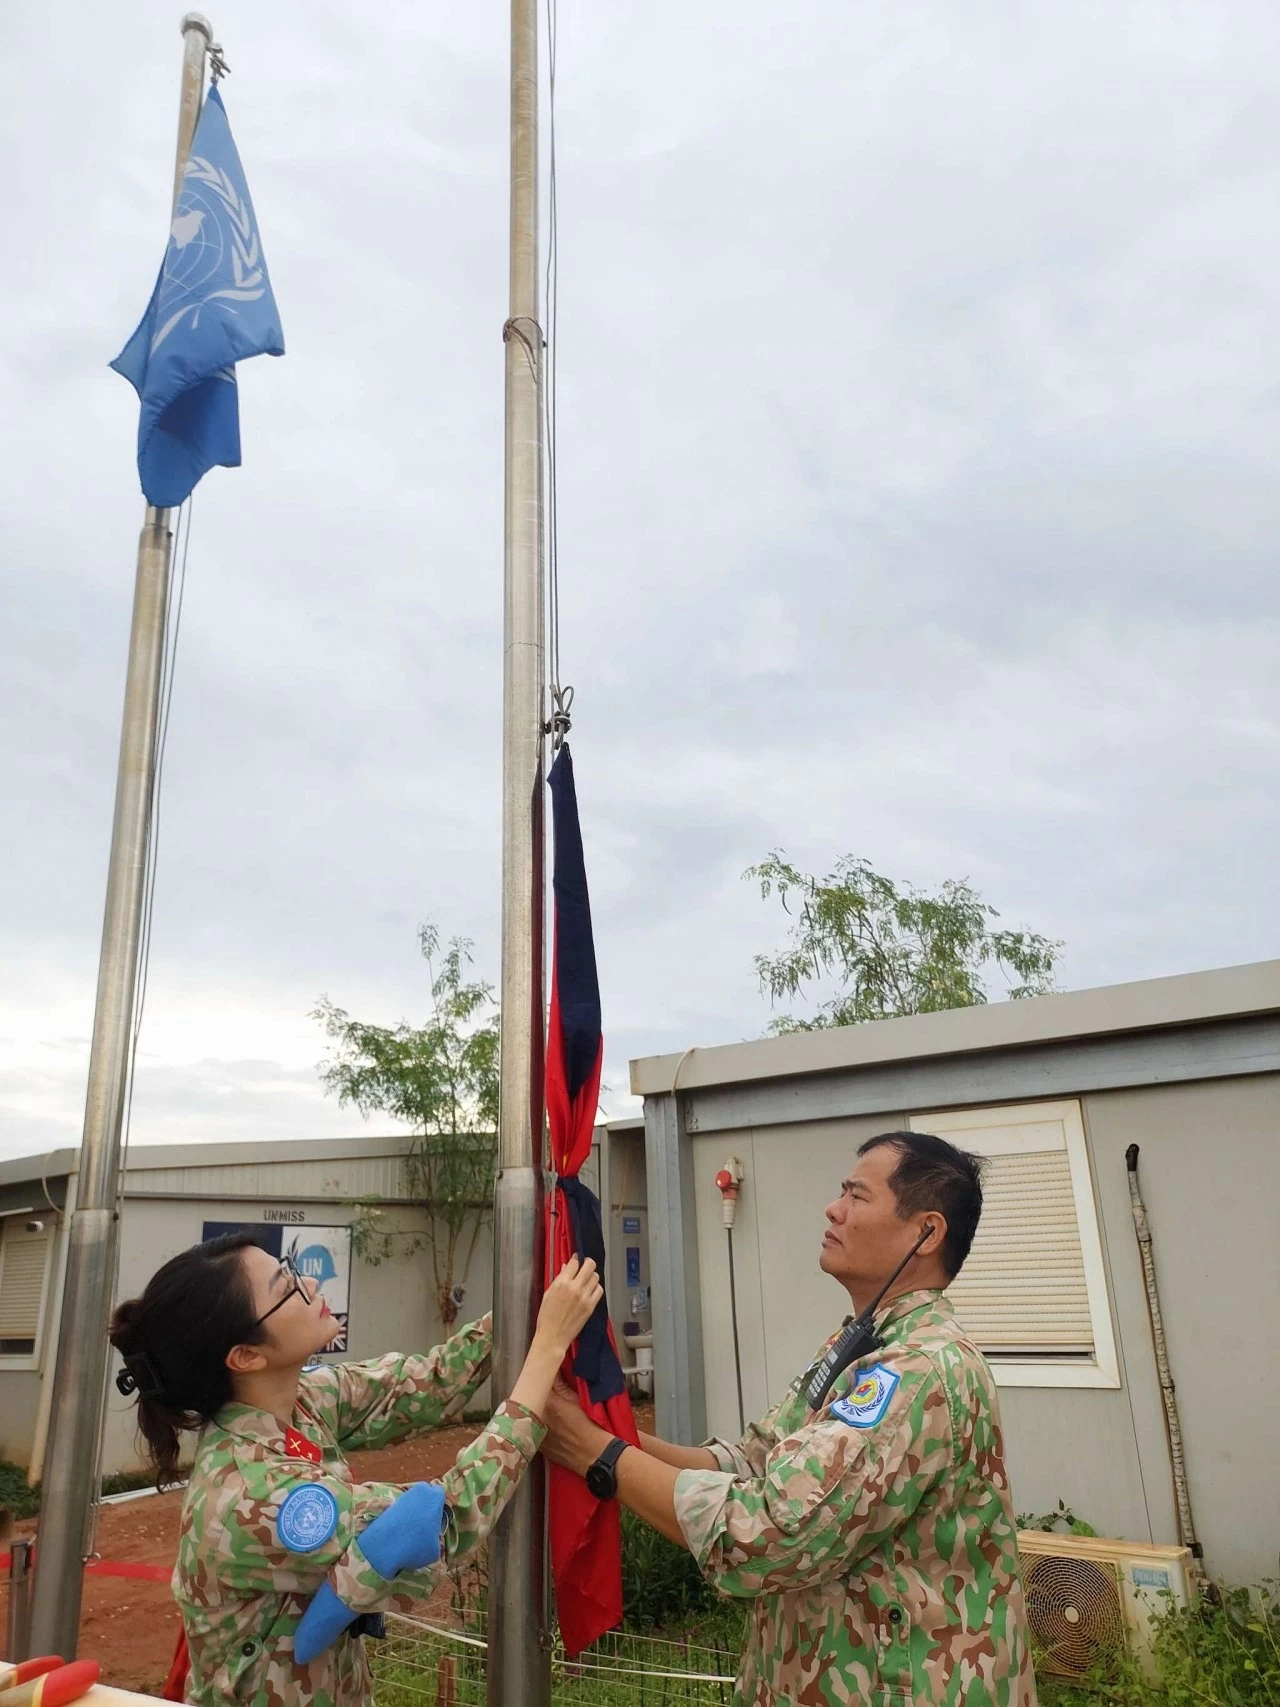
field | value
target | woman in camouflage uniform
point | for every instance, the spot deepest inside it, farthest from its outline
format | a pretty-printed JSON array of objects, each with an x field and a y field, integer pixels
[{"x": 218, "y": 1343}]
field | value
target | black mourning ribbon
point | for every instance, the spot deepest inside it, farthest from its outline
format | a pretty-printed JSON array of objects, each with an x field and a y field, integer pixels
[
  {"x": 596, "y": 1362},
  {"x": 139, "y": 1376}
]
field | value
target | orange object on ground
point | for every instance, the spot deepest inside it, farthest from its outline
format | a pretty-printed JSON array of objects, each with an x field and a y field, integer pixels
[
  {"x": 27, "y": 1669},
  {"x": 55, "y": 1688}
]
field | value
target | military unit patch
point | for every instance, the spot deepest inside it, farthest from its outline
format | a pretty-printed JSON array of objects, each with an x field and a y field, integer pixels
[{"x": 868, "y": 1400}]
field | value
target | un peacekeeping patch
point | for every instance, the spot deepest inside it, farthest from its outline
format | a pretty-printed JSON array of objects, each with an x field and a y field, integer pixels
[
  {"x": 864, "y": 1405},
  {"x": 307, "y": 1518}
]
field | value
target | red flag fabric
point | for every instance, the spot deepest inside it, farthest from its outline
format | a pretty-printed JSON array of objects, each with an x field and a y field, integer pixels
[
  {"x": 175, "y": 1685},
  {"x": 585, "y": 1533}
]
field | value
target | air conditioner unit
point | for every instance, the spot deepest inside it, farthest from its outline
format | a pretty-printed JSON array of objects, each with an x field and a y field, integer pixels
[{"x": 1088, "y": 1599}]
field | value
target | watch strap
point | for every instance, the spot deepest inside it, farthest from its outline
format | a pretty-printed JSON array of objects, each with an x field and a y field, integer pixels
[
  {"x": 601, "y": 1477},
  {"x": 611, "y": 1454}
]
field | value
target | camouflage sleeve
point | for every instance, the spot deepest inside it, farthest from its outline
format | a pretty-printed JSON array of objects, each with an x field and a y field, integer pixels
[
  {"x": 826, "y": 1496},
  {"x": 387, "y": 1398},
  {"x": 747, "y": 1457},
  {"x": 242, "y": 1542},
  {"x": 482, "y": 1479},
  {"x": 235, "y": 1524}
]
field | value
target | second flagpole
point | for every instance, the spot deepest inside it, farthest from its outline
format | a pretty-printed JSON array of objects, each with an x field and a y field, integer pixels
[
  {"x": 519, "y": 1660},
  {"x": 72, "y": 1458}
]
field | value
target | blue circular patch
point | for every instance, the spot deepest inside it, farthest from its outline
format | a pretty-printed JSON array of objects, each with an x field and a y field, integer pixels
[{"x": 307, "y": 1518}]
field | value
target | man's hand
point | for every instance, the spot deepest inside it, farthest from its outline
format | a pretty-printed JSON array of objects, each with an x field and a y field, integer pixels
[{"x": 572, "y": 1438}]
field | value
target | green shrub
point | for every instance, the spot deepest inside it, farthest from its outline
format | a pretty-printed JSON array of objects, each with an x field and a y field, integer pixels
[
  {"x": 1063, "y": 1521},
  {"x": 16, "y": 1493},
  {"x": 664, "y": 1592},
  {"x": 18, "y": 1496}
]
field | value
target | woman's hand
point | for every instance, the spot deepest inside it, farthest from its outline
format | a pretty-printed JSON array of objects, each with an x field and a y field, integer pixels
[{"x": 567, "y": 1305}]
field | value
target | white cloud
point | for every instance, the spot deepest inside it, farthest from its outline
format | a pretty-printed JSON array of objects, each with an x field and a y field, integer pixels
[{"x": 918, "y": 429}]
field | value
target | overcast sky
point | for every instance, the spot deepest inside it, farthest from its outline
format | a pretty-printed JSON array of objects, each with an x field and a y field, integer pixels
[{"x": 919, "y": 434}]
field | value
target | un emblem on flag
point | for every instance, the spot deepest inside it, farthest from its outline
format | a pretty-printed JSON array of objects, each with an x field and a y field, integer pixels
[{"x": 214, "y": 259}]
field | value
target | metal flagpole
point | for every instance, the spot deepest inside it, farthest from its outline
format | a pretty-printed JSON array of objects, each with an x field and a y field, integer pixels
[
  {"x": 519, "y": 1668},
  {"x": 72, "y": 1457}
]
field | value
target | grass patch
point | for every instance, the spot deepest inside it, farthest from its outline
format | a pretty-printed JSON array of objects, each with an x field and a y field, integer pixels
[
  {"x": 18, "y": 1496},
  {"x": 665, "y": 1594},
  {"x": 416, "y": 1667},
  {"x": 16, "y": 1493},
  {"x": 1224, "y": 1653}
]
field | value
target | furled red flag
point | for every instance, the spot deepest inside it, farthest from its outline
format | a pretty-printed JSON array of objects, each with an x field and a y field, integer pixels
[{"x": 586, "y": 1541}]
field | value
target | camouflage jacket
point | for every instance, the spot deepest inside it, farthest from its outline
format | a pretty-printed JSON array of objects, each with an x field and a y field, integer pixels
[
  {"x": 242, "y": 1591},
  {"x": 874, "y": 1537}
]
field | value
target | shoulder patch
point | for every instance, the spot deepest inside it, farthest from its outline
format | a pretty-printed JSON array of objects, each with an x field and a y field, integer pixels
[
  {"x": 297, "y": 1445},
  {"x": 867, "y": 1401},
  {"x": 308, "y": 1517}
]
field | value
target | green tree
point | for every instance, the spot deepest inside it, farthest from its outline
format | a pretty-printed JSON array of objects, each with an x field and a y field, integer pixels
[
  {"x": 441, "y": 1079},
  {"x": 890, "y": 948}
]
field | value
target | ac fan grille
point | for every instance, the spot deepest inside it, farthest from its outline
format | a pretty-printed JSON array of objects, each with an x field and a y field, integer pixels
[{"x": 1075, "y": 1612}]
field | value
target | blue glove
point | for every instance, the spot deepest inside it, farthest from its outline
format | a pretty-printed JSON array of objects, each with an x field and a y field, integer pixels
[{"x": 406, "y": 1537}]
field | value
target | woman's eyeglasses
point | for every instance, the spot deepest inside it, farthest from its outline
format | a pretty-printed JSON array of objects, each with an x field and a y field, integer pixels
[{"x": 288, "y": 1266}]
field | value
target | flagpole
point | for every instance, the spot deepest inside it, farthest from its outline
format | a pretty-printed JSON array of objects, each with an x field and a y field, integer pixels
[
  {"x": 519, "y": 1664},
  {"x": 72, "y": 1458}
]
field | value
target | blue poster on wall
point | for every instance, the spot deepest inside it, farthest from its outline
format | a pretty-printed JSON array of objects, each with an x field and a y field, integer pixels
[{"x": 270, "y": 1237}]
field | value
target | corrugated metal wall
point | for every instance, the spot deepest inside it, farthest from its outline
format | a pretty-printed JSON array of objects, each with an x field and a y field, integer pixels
[{"x": 336, "y": 1179}]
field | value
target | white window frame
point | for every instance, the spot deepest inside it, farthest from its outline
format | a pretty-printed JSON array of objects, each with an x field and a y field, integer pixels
[
  {"x": 964, "y": 1127},
  {"x": 30, "y": 1359}
]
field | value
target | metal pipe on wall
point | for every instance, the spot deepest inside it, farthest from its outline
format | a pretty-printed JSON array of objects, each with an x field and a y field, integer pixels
[{"x": 1173, "y": 1427}]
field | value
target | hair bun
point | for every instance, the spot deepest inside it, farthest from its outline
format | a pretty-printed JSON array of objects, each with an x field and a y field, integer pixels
[{"x": 125, "y": 1324}]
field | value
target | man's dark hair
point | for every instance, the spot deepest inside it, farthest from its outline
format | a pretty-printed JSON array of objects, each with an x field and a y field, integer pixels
[{"x": 932, "y": 1174}]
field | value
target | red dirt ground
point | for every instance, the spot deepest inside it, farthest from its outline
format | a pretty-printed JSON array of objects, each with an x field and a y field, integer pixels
[{"x": 130, "y": 1627}]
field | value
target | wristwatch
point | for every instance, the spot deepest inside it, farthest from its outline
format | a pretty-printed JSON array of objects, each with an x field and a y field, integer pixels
[{"x": 602, "y": 1478}]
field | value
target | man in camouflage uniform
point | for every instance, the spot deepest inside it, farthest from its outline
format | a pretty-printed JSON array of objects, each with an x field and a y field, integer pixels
[
  {"x": 242, "y": 1591},
  {"x": 873, "y": 1534}
]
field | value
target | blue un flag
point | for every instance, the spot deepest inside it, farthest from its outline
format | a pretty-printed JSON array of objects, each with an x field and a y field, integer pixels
[{"x": 211, "y": 308}]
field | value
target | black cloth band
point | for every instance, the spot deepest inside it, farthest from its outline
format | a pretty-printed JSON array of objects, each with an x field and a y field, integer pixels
[{"x": 596, "y": 1362}]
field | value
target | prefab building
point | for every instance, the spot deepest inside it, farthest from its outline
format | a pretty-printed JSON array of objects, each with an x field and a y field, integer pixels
[{"x": 1053, "y": 1091}]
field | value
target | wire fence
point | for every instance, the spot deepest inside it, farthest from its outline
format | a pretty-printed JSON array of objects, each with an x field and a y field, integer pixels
[{"x": 422, "y": 1664}]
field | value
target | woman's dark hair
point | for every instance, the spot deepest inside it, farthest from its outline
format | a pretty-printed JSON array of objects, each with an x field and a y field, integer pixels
[
  {"x": 174, "y": 1341},
  {"x": 932, "y": 1174}
]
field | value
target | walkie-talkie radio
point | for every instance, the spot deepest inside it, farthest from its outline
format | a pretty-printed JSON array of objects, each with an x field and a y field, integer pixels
[{"x": 858, "y": 1338}]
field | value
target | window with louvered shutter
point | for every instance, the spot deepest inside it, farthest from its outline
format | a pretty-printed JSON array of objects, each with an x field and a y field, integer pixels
[
  {"x": 23, "y": 1260},
  {"x": 1033, "y": 1291}
]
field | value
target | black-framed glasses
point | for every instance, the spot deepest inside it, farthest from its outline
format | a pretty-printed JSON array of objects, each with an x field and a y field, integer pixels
[{"x": 291, "y": 1269}]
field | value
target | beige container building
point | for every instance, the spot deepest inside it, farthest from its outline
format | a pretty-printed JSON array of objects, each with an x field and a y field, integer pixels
[{"x": 1053, "y": 1091}]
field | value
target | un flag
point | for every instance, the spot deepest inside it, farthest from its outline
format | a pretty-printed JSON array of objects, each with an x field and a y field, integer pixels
[{"x": 211, "y": 308}]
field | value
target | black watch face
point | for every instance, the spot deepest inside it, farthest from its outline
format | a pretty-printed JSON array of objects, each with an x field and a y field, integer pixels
[{"x": 601, "y": 1482}]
